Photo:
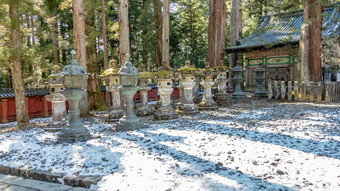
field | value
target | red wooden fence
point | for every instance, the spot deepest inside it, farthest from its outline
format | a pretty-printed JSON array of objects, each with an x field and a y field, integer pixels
[{"x": 38, "y": 106}]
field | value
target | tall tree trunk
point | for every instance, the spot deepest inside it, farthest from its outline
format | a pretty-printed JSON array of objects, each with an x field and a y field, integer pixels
[
  {"x": 310, "y": 42},
  {"x": 234, "y": 32},
  {"x": 144, "y": 55},
  {"x": 124, "y": 38},
  {"x": 157, "y": 6},
  {"x": 79, "y": 45},
  {"x": 106, "y": 58},
  {"x": 95, "y": 98},
  {"x": 166, "y": 31},
  {"x": 55, "y": 42},
  {"x": 216, "y": 32},
  {"x": 18, "y": 84}
]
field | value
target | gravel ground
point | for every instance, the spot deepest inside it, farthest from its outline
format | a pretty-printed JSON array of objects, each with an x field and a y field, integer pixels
[{"x": 254, "y": 146}]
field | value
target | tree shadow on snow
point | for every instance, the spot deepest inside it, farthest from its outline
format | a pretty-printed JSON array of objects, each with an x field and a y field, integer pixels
[{"x": 200, "y": 166}]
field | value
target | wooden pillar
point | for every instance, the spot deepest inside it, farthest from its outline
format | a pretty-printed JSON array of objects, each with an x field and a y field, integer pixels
[
  {"x": 27, "y": 106},
  {"x": 45, "y": 107},
  {"x": 4, "y": 110}
]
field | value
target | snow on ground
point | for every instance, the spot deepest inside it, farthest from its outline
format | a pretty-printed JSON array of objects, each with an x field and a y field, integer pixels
[{"x": 257, "y": 146}]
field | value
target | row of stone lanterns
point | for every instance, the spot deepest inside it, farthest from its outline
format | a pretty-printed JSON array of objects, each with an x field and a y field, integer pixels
[{"x": 124, "y": 81}]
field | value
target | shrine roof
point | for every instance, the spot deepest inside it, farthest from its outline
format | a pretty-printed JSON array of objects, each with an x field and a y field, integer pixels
[
  {"x": 285, "y": 28},
  {"x": 9, "y": 92}
]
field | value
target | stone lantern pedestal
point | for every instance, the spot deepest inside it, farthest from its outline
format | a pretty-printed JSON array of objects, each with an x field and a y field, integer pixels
[
  {"x": 128, "y": 81},
  {"x": 73, "y": 79},
  {"x": 58, "y": 106},
  {"x": 75, "y": 131},
  {"x": 207, "y": 102},
  {"x": 56, "y": 98},
  {"x": 222, "y": 98},
  {"x": 238, "y": 79},
  {"x": 129, "y": 121},
  {"x": 144, "y": 109},
  {"x": 165, "y": 111},
  {"x": 259, "y": 93},
  {"x": 114, "y": 82},
  {"x": 187, "y": 105},
  {"x": 117, "y": 112}
]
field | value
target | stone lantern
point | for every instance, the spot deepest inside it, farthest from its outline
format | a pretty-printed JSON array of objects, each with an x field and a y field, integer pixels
[
  {"x": 222, "y": 98},
  {"x": 165, "y": 111},
  {"x": 187, "y": 83},
  {"x": 238, "y": 79},
  {"x": 144, "y": 109},
  {"x": 113, "y": 86},
  {"x": 73, "y": 77},
  {"x": 57, "y": 99},
  {"x": 259, "y": 93},
  {"x": 207, "y": 82},
  {"x": 128, "y": 81}
]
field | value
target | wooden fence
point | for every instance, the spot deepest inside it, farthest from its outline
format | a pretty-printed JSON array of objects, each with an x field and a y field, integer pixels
[{"x": 312, "y": 91}]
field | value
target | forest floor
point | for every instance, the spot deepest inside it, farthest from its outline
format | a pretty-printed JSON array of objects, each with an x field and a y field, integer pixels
[{"x": 250, "y": 146}]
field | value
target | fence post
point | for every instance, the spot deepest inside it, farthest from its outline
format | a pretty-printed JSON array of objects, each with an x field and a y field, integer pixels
[
  {"x": 270, "y": 90},
  {"x": 296, "y": 91},
  {"x": 303, "y": 91},
  {"x": 333, "y": 92},
  {"x": 327, "y": 96},
  {"x": 311, "y": 91},
  {"x": 319, "y": 92},
  {"x": 283, "y": 90},
  {"x": 45, "y": 107},
  {"x": 277, "y": 89},
  {"x": 4, "y": 110},
  {"x": 289, "y": 94}
]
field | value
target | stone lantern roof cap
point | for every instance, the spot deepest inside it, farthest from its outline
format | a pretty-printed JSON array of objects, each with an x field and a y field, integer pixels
[
  {"x": 73, "y": 67},
  {"x": 128, "y": 68}
]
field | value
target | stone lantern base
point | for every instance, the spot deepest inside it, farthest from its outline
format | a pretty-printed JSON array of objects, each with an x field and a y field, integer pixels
[
  {"x": 260, "y": 95},
  {"x": 129, "y": 124},
  {"x": 115, "y": 115},
  {"x": 207, "y": 105},
  {"x": 223, "y": 99},
  {"x": 74, "y": 131},
  {"x": 165, "y": 114},
  {"x": 144, "y": 111},
  {"x": 187, "y": 109},
  {"x": 72, "y": 135}
]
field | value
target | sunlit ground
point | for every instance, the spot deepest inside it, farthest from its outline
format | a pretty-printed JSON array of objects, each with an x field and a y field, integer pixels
[{"x": 256, "y": 146}]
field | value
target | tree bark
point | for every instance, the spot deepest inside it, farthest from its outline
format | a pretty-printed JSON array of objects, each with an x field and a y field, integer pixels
[
  {"x": 310, "y": 43},
  {"x": 144, "y": 55},
  {"x": 55, "y": 43},
  {"x": 124, "y": 32},
  {"x": 106, "y": 58},
  {"x": 157, "y": 6},
  {"x": 234, "y": 33},
  {"x": 165, "y": 45},
  {"x": 216, "y": 32},
  {"x": 79, "y": 45},
  {"x": 18, "y": 84}
]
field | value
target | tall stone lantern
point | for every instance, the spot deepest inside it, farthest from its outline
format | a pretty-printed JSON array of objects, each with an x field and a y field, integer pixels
[
  {"x": 259, "y": 93},
  {"x": 238, "y": 79},
  {"x": 165, "y": 75},
  {"x": 207, "y": 82},
  {"x": 73, "y": 80},
  {"x": 128, "y": 81},
  {"x": 222, "y": 98},
  {"x": 144, "y": 109},
  {"x": 187, "y": 83},
  {"x": 57, "y": 99},
  {"x": 114, "y": 82}
]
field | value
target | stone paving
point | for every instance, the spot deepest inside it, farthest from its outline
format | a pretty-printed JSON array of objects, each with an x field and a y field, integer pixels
[{"x": 13, "y": 183}]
